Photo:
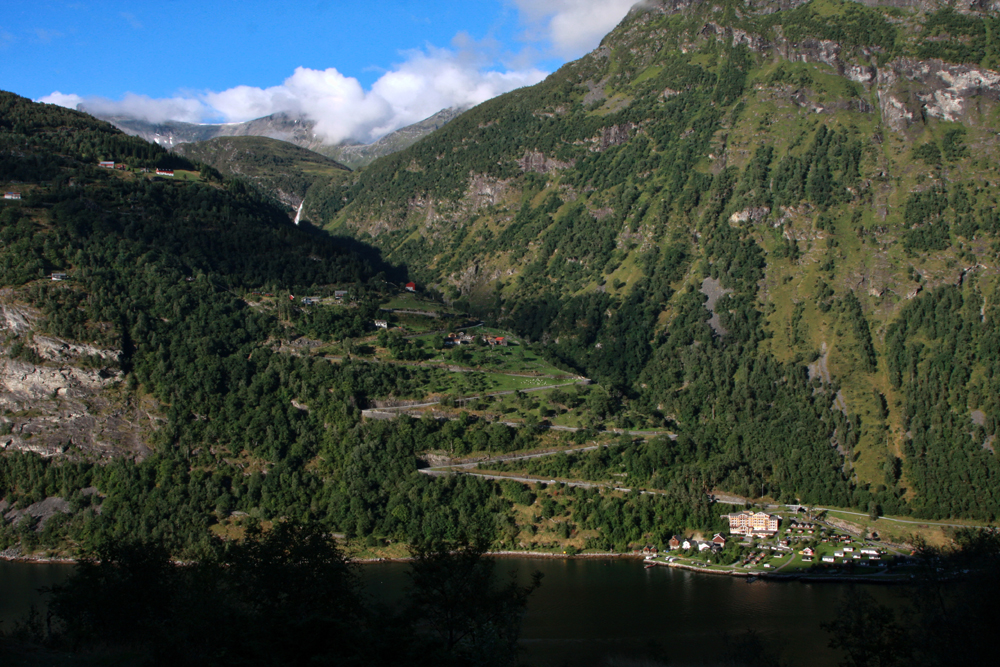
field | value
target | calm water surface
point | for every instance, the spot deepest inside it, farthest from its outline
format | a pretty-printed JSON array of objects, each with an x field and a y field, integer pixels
[
  {"x": 19, "y": 584},
  {"x": 599, "y": 612}
]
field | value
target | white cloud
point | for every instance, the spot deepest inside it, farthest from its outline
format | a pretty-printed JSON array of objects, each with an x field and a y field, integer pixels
[
  {"x": 572, "y": 27},
  {"x": 428, "y": 81},
  {"x": 135, "y": 106},
  {"x": 68, "y": 101}
]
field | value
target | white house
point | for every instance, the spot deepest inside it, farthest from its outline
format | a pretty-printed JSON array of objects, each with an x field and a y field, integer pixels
[
  {"x": 381, "y": 324},
  {"x": 12, "y": 195}
]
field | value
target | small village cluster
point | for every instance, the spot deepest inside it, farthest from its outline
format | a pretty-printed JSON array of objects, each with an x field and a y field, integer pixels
[
  {"x": 846, "y": 555},
  {"x": 468, "y": 339},
  {"x": 716, "y": 544},
  {"x": 108, "y": 164},
  {"x": 773, "y": 550}
]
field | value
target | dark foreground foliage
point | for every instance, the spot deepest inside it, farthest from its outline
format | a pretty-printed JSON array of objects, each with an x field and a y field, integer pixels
[{"x": 948, "y": 616}]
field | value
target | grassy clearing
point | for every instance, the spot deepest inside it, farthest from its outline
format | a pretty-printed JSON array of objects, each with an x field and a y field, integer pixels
[
  {"x": 410, "y": 301},
  {"x": 892, "y": 529}
]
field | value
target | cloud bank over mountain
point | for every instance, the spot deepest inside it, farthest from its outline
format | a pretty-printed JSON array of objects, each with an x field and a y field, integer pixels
[
  {"x": 428, "y": 81},
  {"x": 425, "y": 82},
  {"x": 571, "y": 27}
]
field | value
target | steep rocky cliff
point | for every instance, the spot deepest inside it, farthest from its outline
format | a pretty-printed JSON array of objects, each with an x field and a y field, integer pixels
[{"x": 61, "y": 397}]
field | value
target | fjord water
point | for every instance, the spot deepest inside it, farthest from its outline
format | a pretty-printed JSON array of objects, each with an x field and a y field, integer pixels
[
  {"x": 19, "y": 584},
  {"x": 598, "y": 611},
  {"x": 614, "y": 611}
]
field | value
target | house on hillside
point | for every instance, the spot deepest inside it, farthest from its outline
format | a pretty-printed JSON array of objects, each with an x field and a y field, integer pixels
[
  {"x": 58, "y": 276},
  {"x": 719, "y": 540},
  {"x": 381, "y": 324},
  {"x": 12, "y": 195},
  {"x": 107, "y": 164},
  {"x": 674, "y": 543},
  {"x": 309, "y": 300},
  {"x": 411, "y": 287},
  {"x": 495, "y": 340},
  {"x": 164, "y": 172},
  {"x": 686, "y": 544},
  {"x": 339, "y": 294}
]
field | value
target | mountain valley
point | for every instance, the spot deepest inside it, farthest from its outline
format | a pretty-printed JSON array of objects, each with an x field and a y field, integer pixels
[{"x": 740, "y": 250}]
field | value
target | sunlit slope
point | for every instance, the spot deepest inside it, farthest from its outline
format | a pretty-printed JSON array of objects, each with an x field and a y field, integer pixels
[{"x": 821, "y": 175}]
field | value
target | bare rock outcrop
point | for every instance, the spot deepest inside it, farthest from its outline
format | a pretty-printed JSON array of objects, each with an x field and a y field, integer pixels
[
  {"x": 538, "y": 162},
  {"x": 63, "y": 395}
]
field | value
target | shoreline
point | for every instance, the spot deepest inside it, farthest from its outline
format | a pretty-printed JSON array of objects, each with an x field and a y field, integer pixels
[
  {"x": 776, "y": 577},
  {"x": 766, "y": 576},
  {"x": 509, "y": 554}
]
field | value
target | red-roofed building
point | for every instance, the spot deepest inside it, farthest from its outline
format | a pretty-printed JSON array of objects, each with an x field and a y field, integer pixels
[{"x": 411, "y": 287}]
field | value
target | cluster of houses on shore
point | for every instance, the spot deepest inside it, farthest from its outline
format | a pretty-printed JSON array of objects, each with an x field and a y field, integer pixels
[
  {"x": 861, "y": 556},
  {"x": 717, "y": 543}
]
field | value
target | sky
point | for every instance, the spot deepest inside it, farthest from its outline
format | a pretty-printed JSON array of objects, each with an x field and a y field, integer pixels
[{"x": 359, "y": 69}]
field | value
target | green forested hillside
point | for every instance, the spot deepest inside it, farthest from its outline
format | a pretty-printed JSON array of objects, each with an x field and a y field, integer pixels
[
  {"x": 277, "y": 167},
  {"x": 185, "y": 284},
  {"x": 821, "y": 176}
]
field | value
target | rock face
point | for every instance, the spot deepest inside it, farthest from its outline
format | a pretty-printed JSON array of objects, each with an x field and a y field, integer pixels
[
  {"x": 64, "y": 395},
  {"x": 41, "y": 511},
  {"x": 538, "y": 162}
]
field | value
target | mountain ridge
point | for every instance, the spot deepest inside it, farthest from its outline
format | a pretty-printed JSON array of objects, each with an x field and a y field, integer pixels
[{"x": 294, "y": 129}]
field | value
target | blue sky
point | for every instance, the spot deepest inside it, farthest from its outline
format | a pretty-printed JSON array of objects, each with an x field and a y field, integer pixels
[{"x": 360, "y": 69}]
